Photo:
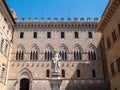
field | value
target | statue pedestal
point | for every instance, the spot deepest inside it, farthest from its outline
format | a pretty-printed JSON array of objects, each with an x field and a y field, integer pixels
[{"x": 55, "y": 75}]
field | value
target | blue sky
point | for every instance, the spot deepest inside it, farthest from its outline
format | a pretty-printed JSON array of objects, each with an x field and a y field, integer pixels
[{"x": 58, "y": 8}]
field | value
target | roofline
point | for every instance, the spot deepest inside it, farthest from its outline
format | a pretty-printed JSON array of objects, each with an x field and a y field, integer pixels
[
  {"x": 9, "y": 11},
  {"x": 109, "y": 11}
]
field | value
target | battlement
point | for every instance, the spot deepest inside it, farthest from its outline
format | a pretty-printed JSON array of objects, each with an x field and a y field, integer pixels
[
  {"x": 59, "y": 23},
  {"x": 58, "y": 20}
]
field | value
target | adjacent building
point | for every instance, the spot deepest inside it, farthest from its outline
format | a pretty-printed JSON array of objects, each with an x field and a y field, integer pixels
[
  {"x": 6, "y": 34},
  {"x": 109, "y": 26}
]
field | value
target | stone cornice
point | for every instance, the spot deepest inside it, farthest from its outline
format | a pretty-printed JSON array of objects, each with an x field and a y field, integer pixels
[{"x": 108, "y": 13}]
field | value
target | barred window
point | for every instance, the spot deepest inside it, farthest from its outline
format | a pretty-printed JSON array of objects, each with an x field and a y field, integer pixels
[
  {"x": 77, "y": 54},
  {"x": 34, "y": 53},
  {"x": 48, "y": 54},
  {"x": 92, "y": 54},
  {"x": 19, "y": 54},
  {"x": 63, "y": 53}
]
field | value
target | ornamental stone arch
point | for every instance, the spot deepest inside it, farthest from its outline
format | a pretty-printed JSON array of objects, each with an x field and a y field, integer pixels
[
  {"x": 65, "y": 47},
  {"x": 90, "y": 46},
  {"x": 20, "y": 51},
  {"x": 36, "y": 46},
  {"x": 92, "y": 52},
  {"x": 79, "y": 47},
  {"x": 49, "y": 52},
  {"x": 22, "y": 46},
  {"x": 50, "y": 46},
  {"x": 63, "y": 52},
  {"x": 25, "y": 76}
]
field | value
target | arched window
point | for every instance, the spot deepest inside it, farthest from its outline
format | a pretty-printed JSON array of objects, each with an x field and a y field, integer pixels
[
  {"x": 34, "y": 54},
  {"x": 77, "y": 54},
  {"x": 48, "y": 54},
  {"x": 63, "y": 73},
  {"x": 19, "y": 54},
  {"x": 63, "y": 53},
  {"x": 92, "y": 53},
  {"x": 47, "y": 73},
  {"x": 78, "y": 73}
]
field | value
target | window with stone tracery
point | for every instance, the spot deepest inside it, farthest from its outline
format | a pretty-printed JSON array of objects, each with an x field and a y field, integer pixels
[
  {"x": 19, "y": 54},
  {"x": 92, "y": 54},
  {"x": 48, "y": 54},
  {"x": 6, "y": 49},
  {"x": 1, "y": 43},
  {"x": 63, "y": 53},
  {"x": 2, "y": 73},
  {"x": 77, "y": 54},
  {"x": 34, "y": 54}
]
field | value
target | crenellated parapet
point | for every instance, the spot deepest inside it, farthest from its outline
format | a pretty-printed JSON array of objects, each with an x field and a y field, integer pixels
[{"x": 44, "y": 23}]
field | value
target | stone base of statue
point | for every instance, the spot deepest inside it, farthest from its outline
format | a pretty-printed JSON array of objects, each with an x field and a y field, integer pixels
[{"x": 55, "y": 75}]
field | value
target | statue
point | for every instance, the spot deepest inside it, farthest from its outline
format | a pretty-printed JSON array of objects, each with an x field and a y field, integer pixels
[{"x": 56, "y": 63}]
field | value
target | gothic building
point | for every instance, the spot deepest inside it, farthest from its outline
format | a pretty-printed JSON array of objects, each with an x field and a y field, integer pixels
[{"x": 28, "y": 48}]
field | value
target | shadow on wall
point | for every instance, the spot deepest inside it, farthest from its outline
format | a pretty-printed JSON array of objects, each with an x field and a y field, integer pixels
[{"x": 86, "y": 80}]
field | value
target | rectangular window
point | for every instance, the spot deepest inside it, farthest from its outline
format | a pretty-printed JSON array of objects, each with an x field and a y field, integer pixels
[
  {"x": 118, "y": 64},
  {"x": 35, "y": 35},
  {"x": 78, "y": 73},
  {"x": 112, "y": 69},
  {"x": 21, "y": 34},
  {"x": 48, "y": 34},
  {"x": 119, "y": 27},
  {"x": 93, "y": 73},
  {"x": 90, "y": 34},
  {"x": 62, "y": 35},
  {"x": 108, "y": 42},
  {"x": 76, "y": 34},
  {"x": 114, "y": 36}
]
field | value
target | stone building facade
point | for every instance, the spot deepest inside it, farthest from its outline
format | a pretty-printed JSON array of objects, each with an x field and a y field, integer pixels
[
  {"x": 109, "y": 26},
  {"x": 35, "y": 44},
  {"x": 88, "y": 60},
  {"x": 6, "y": 32}
]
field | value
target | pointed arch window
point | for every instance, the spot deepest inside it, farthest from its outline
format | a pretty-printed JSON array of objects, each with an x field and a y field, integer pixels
[
  {"x": 34, "y": 54},
  {"x": 63, "y": 53},
  {"x": 48, "y": 54},
  {"x": 19, "y": 54},
  {"x": 77, "y": 54},
  {"x": 92, "y": 54}
]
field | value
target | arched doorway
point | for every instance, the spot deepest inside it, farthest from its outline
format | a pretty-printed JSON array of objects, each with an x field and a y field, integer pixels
[{"x": 24, "y": 84}]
